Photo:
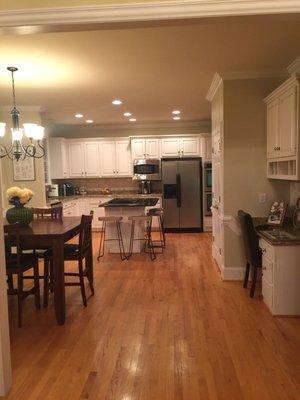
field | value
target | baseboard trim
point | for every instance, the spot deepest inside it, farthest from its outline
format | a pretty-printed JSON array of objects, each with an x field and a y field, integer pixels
[{"x": 232, "y": 274}]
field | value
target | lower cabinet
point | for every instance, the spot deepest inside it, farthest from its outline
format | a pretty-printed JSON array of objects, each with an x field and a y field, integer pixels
[{"x": 281, "y": 278}]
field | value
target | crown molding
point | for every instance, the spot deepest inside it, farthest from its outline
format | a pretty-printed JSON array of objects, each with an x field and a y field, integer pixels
[
  {"x": 125, "y": 126},
  {"x": 22, "y": 108},
  {"x": 159, "y": 10},
  {"x": 294, "y": 67},
  {"x": 250, "y": 74},
  {"x": 214, "y": 86}
]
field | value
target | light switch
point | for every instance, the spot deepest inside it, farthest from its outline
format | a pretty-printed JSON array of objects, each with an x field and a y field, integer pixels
[{"x": 262, "y": 197}]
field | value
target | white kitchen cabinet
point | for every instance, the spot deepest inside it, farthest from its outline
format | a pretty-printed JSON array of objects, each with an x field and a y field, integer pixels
[
  {"x": 91, "y": 159},
  {"x": 70, "y": 208},
  {"x": 145, "y": 148},
  {"x": 115, "y": 159},
  {"x": 170, "y": 147},
  {"x": 76, "y": 159},
  {"x": 84, "y": 159},
  {"x": 58, "y": 156},
  {"x": 123, "y": 158},
  {"x": 283, "y": 132},
  {"x": 180, "y": 147},
  {"x": 281, "y": 278},
  {"x": 108, "y": 159}
]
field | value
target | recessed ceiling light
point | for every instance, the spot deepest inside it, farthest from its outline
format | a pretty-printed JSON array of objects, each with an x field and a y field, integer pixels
[
  {"x": 117, "y": 102},
  {"x": 127, "y": 114},
  {"x": 176, "y": 112},
  {"x": 177, "y": 117},
  {"x": 89, "y": 121},
  {"x": 132, "y": 119},
  {"x": 78, "y": 115}
]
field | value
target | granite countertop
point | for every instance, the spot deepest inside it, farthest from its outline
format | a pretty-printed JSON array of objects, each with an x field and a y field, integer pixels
[
  {"x": 131, "y": 202},
  {"x": 285, "y": 235},
  {"x": 63, "y": 199}
]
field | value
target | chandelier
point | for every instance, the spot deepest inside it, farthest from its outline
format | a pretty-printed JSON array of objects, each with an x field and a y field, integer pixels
[{"x": 19, "y": 148}]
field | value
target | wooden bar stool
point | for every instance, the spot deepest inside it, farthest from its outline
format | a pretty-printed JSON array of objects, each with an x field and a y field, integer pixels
[
  {"x": 119, "y": 238},
  {"x": 148, "y": 244},
  {"x": 161, "y": 242}
]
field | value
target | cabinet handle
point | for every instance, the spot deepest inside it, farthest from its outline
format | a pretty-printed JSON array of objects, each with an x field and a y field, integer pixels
[
  {"x": 264, "y": 268},
  {"x": 117, "y": 172}
]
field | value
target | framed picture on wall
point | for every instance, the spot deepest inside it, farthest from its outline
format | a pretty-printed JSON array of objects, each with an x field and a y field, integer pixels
[
  {"x": 24, "y": 170},
  {"x": 277, "y": 213}
]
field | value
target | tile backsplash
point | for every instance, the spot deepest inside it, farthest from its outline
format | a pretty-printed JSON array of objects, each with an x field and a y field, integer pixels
[{"x": 114, "y": 184}]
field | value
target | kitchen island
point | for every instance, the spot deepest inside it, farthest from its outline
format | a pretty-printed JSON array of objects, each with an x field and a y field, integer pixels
[{"x": 127, "y": 207}]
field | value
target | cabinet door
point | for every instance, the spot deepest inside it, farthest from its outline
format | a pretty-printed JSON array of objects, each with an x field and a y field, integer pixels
[
  {"x": 170, "y": 147},
  {"x": 108, "y": 159},
  {"x": 152, "y": 148},
  {"x": 76, "y": 159},
  {"x": 189, "y": 147},
  {"x": 287, "y": 123},
  {"x": 91, "y": 159},
  {"x": 272, "y": 129},
  {"x": 65, "y": 160},
  {"x": 123, "y": 159},
  {"x": 138, "y": 148},
  {"x": 207, "y": 149}
]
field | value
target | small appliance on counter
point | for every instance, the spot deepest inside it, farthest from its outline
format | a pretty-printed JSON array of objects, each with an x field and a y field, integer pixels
[
  {"x": 82, "y": 190},
  {"x": 146, "y": 187},
  {"x": 53, "y": 191},
  {"x": 69, "y": 188}
]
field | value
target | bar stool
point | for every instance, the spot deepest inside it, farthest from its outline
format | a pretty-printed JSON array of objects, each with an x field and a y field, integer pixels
[
  {"x": 147, "y": 239},
  {"x": 161, "y": 242},
  {"x": 119, "y": 238}
]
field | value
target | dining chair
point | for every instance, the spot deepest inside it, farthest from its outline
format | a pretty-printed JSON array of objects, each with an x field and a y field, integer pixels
[
  {"x": 253, "y": 253},
  {"x": 16, "y": 264},
  {"x": 45, "y": 213},
  {"x": 74, "y": 252},
  {"x": 54, "y": 212}
]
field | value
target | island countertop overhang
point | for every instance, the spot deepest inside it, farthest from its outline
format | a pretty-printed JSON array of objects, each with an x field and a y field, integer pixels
[{"x": 130, "y": 202}]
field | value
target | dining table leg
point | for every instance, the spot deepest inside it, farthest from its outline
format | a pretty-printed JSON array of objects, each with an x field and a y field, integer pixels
[{"x": 59, "y": 281}]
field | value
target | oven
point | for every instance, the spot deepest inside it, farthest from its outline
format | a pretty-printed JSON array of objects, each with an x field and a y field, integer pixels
[
  {"x": 147, "y": 169},
  {"x": 207, "y": 203},
  {"x": 207, "y": 177}
]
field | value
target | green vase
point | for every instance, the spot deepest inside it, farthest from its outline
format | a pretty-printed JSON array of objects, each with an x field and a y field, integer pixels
[{"x": 19, "y": 215}]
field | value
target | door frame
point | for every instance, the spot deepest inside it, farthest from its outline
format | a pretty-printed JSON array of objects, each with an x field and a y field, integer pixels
[{"x": 5, "y": 357}]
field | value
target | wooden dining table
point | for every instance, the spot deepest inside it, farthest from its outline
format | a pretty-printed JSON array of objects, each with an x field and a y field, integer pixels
[{"x": 44, "y": 234}]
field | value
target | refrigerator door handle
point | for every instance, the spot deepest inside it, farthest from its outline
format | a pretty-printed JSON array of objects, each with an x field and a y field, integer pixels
[{"x": 178, "y": 182}]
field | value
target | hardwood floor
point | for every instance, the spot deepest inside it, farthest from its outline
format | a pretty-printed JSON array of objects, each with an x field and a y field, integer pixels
[{"x": 168, "y": 329}]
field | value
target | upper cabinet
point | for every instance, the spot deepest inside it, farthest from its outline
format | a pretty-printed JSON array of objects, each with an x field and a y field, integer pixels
[
  {"x": 145, "y": 148},
  {"x": 180, "y": 147},
  {"x": 59, "y": 160},
  {"x": 283, "y": 131},
  {"x": 84, "y": 159},
  {"x": 115, "y": 159}
]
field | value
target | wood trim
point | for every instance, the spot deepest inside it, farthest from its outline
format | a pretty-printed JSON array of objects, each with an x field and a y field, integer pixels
[
  {"x": 214, "y": 86},
  {"x": 294, "y": 67},
  {"x": 160, "y": 10},
  {"x": 289, "y": 83}
]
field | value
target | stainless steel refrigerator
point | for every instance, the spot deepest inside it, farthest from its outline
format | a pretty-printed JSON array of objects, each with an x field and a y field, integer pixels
[{"x": 182, "y": 189}]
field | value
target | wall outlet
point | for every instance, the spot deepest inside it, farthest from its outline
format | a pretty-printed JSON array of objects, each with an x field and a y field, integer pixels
[{"x": 262, "y": 197}]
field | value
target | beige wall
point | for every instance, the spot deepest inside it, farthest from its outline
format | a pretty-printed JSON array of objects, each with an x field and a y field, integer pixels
[
  {"x": 125, "y": 131},
  {"x": 245, "y": 144},
  {"x": 238, "y": 104},
  {"x": 38, "y": 186}
]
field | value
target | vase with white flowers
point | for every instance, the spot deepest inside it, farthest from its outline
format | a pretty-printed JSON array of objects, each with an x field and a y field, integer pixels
[{"x": 19, "y": 197}]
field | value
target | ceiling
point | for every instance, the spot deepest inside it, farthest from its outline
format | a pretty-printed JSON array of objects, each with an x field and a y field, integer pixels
[{"x": 153, "y": 69}]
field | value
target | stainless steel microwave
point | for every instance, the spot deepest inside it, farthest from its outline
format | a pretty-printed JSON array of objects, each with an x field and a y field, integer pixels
[{"x": 146, "y": 169}]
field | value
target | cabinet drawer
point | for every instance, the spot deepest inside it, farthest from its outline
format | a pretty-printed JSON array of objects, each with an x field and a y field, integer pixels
[
  {"x": 267, "y": 249},
  {"x": 267, "y": 292},
  {"x": 267, "y": 269}
]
